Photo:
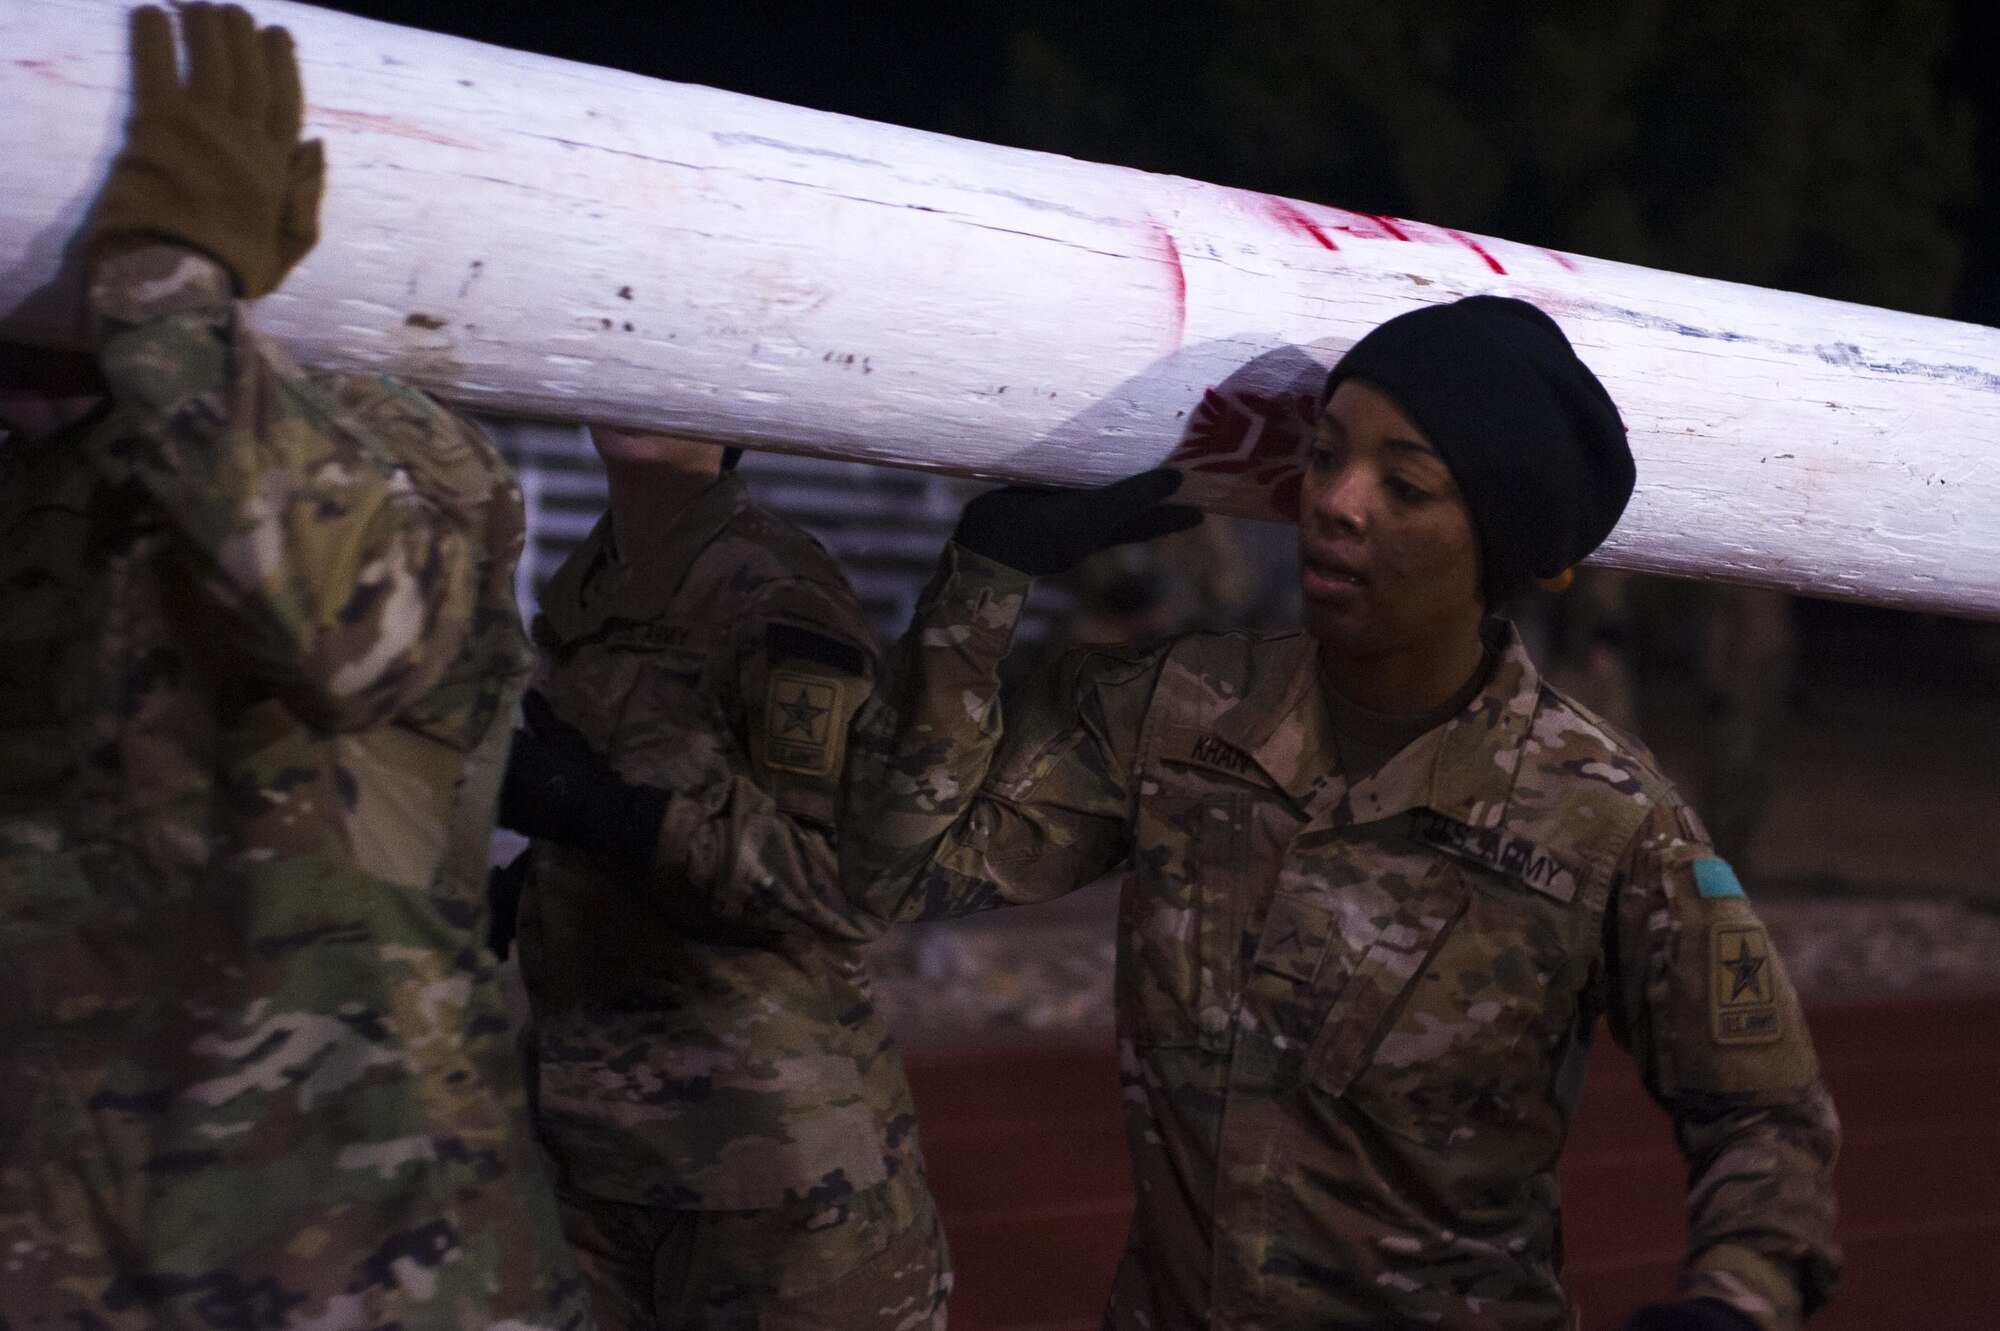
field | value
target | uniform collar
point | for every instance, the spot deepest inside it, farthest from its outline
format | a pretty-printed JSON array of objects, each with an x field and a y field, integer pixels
[
  {"x": 594, "y": 587},
  {"x": 1464, "y": 769}
]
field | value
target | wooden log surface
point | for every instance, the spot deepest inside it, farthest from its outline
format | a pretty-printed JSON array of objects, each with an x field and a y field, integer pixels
[{"x": 530, "y": 236}]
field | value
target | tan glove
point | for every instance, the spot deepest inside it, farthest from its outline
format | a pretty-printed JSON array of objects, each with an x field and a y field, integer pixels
[{"x": 215, "y": 163}]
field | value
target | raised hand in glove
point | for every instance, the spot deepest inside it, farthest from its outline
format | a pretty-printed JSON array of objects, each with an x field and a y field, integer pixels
[
  {"x": 215, "y": 162},
  {"x": 1039, "y": 530},
  {"x": 558, "y": 789},
  {"x": 1690, "y": 1315}
]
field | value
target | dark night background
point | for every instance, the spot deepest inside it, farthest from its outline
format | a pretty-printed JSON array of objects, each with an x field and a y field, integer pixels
[{"x": 1849, "y": 148}]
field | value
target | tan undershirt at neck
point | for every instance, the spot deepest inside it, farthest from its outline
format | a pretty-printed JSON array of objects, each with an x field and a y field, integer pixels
[{"x": 1368, "y": 740}]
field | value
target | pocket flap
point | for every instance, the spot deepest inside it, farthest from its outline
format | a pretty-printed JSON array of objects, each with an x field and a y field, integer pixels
[{"x": 1371, "y": 993}]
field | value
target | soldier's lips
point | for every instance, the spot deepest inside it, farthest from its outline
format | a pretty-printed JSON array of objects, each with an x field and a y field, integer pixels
[{"x": 1323, "y": 578}]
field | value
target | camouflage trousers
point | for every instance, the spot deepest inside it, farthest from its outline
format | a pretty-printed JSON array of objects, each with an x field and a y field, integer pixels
[{"x": 784, "y": 1269}]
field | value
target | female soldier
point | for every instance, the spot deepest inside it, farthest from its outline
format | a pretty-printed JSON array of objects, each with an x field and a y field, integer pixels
[{"x": 1383, "y": 879}]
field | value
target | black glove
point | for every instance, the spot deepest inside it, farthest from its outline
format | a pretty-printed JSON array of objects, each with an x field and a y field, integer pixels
[
  {"x": 1690, "y": 1315},
  {"x": 1040, "y": 530},
  {"x": 503, "y": 903},
  {"x": 558, "y": 789}
]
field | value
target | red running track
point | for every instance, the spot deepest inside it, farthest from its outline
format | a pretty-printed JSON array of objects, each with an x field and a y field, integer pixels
[{"x": 1027, "y": 1158}]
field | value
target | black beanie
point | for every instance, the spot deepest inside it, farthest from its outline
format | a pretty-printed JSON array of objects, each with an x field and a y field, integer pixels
[{"x": 1530, "y": 435}]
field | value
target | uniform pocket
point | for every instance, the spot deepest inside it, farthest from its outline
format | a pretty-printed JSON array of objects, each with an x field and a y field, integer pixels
[
  {"x": 1180, "y": 928},
  {"x": 1372, "y": 993},
  {"x": 1469, "y": 1042}
]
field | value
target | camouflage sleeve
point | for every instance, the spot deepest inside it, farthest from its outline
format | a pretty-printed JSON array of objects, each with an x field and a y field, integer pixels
[
  {"x": 759, "y": 847},
  {"x": 301, "y": 523},
  {"x": 949, "y": 811},
  {"x": 1700, "y": 1000}
]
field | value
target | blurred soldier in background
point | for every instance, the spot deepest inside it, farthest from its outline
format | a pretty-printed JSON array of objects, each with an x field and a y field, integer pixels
[
  {"x": 734, "y": 1135},
  {"x": 1748, "y": 655},
  {"x": 1587, "y": 639},
  {"x": 260, "y": 651},
  {"x": 1627, "y": 647},
  {"x": 1226, "y": 575},
  {"x": 1199, "y": 578}
]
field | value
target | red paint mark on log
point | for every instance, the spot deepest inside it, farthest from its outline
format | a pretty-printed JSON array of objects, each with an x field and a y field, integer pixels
[
  {"x": 369, "y": 123},
  {"x": 1170, "y": 255},
  {"x": 1476, "y": 248},
  {"x": 41, "y": 69},
  {"x": 1563, "y": 261},
  {"x": 1388, "y": 225},
  {"x": 1287, "y": 214}
]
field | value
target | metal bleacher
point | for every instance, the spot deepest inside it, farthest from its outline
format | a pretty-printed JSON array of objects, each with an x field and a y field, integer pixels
[{"x": 884, "y": 525}]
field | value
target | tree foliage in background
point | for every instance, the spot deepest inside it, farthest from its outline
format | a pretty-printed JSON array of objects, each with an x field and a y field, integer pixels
[{"x": 1802, "y": 144}]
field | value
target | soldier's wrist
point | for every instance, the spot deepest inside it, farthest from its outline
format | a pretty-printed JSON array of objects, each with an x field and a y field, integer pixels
[
  {"x": 134, "y": 278},
  {"x": 974, "y": 600},
  {"x": 963, "y": 562}
]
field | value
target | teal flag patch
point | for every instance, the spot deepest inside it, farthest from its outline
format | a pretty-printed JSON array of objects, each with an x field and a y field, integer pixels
[{"x": 1714, "y": 878}]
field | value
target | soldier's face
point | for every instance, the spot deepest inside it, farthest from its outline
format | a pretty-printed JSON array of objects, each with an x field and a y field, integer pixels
[{"x": 1388, "y": 559}]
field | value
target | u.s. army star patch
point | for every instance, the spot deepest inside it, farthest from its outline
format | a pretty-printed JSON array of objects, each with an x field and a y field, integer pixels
[
  {"x": 1743, "y": 1006},
  {"x": 799, "y": 722}
]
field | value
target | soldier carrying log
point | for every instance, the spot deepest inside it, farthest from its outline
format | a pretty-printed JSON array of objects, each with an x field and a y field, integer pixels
[
  {"x": 733, "y": 1134},
  {"x": 1383, "y": 880},
  {"x": 258, "y": 658}
]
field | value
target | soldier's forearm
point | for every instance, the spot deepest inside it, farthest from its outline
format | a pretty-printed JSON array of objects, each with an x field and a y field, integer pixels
[
  {"x": 925, "y": 742},
  {"x": 751, "y": 864},
  {"x": 1761, "y": 1208},
  {"x": 135, "y": 281},
  {"x": 355, "y": 588}
]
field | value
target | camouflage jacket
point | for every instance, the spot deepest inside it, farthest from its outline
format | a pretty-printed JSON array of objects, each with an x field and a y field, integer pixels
[
  {"x": 1354, "y": 1020},
  {"x": 684, "y": 1060},
  {"x": 260, "y": 654}
]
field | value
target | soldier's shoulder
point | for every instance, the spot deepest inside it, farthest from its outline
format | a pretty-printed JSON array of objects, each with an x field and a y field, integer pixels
[
  {"x": 448, "y": 454},
  {"x": 783, "y": 546},
  {"x": 1574, "y": 729},
  {"x": 1600, "y": 783},
  {"x": 1238, "y": 662},
  {"x": 770, "y": 567}
]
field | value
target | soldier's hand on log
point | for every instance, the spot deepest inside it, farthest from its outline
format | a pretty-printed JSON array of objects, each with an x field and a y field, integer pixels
[
  {"x": 1690, "y": 1315},
  {"x": 1040, "y": 530},
  {"x": 558, "y": 789},
  {"x": 215, "y": 162}
]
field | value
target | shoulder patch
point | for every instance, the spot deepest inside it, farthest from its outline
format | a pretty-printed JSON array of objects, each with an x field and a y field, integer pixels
[
  {"x": 1743, "y": 1006},
  {"x": 796, "y": 643},
  {"x": 799, "y": 723},
  {"x": 1714, "y": 878}
]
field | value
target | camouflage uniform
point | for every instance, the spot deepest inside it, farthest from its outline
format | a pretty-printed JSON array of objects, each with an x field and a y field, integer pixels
[
  {"x": 1354, "y": 1020},
  {"x": 260, "y": 653},
  {"x": 732, "y": 1126}
]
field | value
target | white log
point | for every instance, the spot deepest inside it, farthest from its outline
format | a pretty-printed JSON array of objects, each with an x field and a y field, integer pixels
[{"x": 526, "y": 235}]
